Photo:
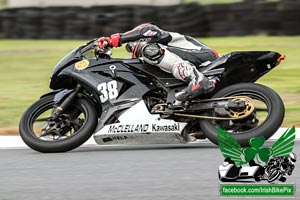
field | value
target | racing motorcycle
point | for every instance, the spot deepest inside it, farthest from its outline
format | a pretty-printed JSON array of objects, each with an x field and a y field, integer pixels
[{"x": 127, "y": 101}]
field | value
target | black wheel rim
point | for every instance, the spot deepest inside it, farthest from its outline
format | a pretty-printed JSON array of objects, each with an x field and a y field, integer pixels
[{"x": 67, "y": 124}]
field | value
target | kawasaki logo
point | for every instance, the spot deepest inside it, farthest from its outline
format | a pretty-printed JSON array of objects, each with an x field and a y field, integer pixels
[{"x": 165, "y": 128}]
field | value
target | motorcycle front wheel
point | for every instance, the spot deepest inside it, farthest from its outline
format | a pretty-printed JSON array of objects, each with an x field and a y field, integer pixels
[
  {"x": 264, "y": 121},
  {"x": 69, "y": 130}
]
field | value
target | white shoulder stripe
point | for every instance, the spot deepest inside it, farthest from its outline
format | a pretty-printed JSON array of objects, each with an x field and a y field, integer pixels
[{"x": 180, "y": 41}]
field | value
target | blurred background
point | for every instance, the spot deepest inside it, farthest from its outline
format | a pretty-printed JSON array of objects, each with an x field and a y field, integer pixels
[
  {"x": 76, "y": 19},
  {"x": 36, "y": 34}
]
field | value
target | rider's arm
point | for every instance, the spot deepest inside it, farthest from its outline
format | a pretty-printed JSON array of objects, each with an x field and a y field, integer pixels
[
  {"x": 144, "y": 31},
  {"x": 140, "y": 32}
]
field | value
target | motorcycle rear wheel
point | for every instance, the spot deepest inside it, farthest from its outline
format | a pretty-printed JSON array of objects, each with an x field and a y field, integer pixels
[
  {"x": 254, "y": 125},
  {"x": 72, "y": 128}
]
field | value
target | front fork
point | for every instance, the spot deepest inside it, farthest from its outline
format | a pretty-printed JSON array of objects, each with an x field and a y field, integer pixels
[{"x": 66, "y": 102}]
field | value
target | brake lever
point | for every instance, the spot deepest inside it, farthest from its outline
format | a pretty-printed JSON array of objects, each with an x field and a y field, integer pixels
[{"x": 105, "y": 52}]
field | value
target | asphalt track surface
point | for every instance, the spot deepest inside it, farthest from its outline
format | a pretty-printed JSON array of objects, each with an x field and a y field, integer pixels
[{"x": 95, "y": 172}]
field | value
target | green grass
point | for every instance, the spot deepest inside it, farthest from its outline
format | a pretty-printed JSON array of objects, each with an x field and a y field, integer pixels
[
  {"x": 3, "y": 4},
  {"x": 26, "y": 66}
]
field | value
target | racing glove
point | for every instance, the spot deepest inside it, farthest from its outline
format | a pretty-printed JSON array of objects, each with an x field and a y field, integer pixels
[{"x": 112, "y": 41}]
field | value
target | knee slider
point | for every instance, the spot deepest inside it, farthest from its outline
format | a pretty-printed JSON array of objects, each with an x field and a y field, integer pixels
[{"x": 153, "y": 52}]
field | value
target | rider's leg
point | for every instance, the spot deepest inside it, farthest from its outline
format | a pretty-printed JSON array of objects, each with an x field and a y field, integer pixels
[
  {"x": 198, "y": 83},
  {"x": 181, "y": 69}
]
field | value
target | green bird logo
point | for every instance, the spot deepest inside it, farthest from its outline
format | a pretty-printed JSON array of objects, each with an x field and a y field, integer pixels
[{"x": 230, "y": 148}]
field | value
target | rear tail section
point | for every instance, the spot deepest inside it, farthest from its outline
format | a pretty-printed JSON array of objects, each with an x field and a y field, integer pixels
[{"x": 243, "y": 66}]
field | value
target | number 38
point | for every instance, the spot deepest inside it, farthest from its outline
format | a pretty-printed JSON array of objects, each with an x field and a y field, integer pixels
[{"x": 108, "y": 90}]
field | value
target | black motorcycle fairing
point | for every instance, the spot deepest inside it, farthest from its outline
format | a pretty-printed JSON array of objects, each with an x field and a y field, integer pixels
[
  {"x": 74, "y": 56},
  {"x": 134, "y": 87},
  {"x": 215, "y": 64},
  {"x": 58, "y": 80},
  {"x": 101, "y": 71},
  {"x": 242, "y": 66},
  {"x": 253, "y": 63},
  {"x": 69, "y": 59},
  {"x": 166, "y": 79}
]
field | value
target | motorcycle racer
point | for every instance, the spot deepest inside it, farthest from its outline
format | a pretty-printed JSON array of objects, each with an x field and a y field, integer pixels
[{"x": 172, "y": 52}]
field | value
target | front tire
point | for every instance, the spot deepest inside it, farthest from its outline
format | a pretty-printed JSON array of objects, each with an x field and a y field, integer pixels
[
  {"x": 267, "y": 127},
  {"x": 75, "y": 126}
]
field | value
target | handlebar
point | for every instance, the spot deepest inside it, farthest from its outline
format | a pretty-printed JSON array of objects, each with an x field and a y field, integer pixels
[{"x": 92, "y": 46}]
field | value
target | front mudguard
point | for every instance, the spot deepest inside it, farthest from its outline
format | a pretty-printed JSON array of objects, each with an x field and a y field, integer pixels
[{"x": 60, "y": 94}]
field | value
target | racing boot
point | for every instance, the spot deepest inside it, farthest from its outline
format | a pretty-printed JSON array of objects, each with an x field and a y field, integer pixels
[{"x": 198, "y": 83}]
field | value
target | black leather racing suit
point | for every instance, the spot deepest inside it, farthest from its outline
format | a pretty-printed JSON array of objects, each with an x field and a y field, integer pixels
[{"x": 174, "y": 53}]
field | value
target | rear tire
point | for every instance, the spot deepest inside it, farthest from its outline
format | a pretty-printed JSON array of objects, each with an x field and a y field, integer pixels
[
  {"x": 267, "y": 128},
  {"x": 79, "y": 132}
]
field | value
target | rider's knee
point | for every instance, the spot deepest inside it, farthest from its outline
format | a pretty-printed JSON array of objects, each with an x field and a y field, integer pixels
[{"x": 153, "y": 53}]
